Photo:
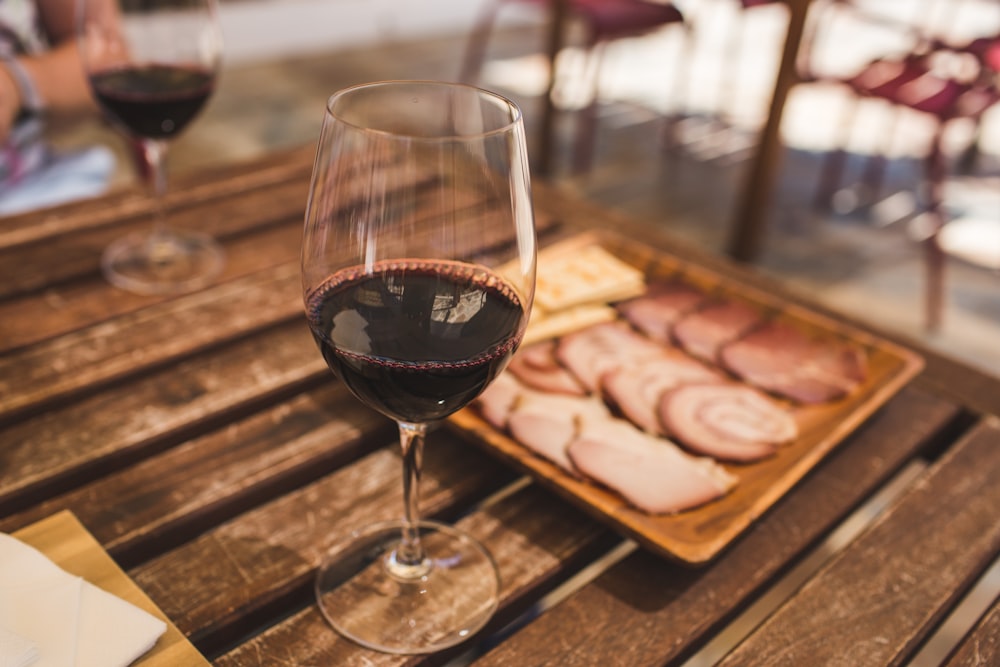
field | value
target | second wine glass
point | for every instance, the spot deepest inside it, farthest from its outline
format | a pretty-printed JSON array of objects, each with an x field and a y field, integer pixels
[
  {"x": 152, "y": 65},
  {"x": 418, "y": 269}
]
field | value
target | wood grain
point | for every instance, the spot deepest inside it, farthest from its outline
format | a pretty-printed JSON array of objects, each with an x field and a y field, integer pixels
[
  {"x": 240, "y": 568},
  {"x": 915, "y": 562},
  {"x": 166, "y": 498},
  {"x": 67, "y": 307},
  {"x": 164, "y": 407},
  {"x": 146, "y": 338},
  {"x": 981, "y": 647},
  {"x": 535, "y": 539}
]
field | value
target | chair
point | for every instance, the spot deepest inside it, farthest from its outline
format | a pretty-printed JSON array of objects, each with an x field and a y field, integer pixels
[
  {"x": 603, "y": 21},
  {"x": 944, "y": 81}
]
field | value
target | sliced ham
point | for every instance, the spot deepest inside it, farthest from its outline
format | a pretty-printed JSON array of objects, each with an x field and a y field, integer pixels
[
  {"x": 785, "y": 361},
  {"x": 635, "y": 388},
  {"x": 663, "y": 304},
  {"x": 537, "y": 367},
  {"x": 702, "y": 332},
  {"x": 591, "y": 353},
  {"x": 547, "y": 423},
  {"x": 497, "y": 400},
  {"x": 727, "y": 421},
  {"x": 652, "y": 474}
]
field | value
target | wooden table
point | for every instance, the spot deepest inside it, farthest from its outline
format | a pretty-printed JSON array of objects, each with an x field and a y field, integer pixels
[{"x": 205, "y": 445}]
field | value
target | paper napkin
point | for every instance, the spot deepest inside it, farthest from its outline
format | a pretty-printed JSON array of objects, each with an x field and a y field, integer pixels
[
  {"x": 16, "y": 651},
  {"x": 71, "y": 622}
]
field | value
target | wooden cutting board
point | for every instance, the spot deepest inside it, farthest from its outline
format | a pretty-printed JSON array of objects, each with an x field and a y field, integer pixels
[{"x": 69, "y": 545}]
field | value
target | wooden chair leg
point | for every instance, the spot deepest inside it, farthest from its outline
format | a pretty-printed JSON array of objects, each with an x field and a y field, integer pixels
[
  {"x": 586, "y": 128},
  {"x": 934, "y": 256}
]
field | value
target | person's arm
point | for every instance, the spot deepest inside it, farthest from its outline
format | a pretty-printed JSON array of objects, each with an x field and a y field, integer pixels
[{"x": 57, "y": 75}]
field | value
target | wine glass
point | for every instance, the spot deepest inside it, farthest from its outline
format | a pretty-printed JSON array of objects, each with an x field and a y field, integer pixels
[
  {"x": 418, "y": 273},
  {"x": 152, "y": 66}
]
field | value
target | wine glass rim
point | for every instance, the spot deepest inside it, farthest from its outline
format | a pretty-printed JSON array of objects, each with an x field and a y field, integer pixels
[{"x": 516, "y": 116}]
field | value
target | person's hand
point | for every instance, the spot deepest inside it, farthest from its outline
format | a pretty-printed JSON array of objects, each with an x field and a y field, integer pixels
[{"x": 10, "y": 103}]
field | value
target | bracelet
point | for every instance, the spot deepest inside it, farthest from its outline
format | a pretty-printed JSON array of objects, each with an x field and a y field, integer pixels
[{"x": 31, "y": 101}]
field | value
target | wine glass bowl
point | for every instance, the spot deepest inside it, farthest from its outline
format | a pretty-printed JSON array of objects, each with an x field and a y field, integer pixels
[
  {"x": 152, "y": 66},
  {"x": 418, "y": 268}
]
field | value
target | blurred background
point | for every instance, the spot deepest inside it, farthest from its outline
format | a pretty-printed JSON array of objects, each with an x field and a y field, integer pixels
[{"x": 675, "y": 125}]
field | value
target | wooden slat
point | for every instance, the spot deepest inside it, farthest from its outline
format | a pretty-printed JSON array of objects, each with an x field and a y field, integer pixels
[
  {"x": 646, "y": 611},
  {"x": 981, "y": 647},
  {"x": 69, "y": 306},
  {"x": 208, "y": 586},
  {"x": 915, "y": 561},
  {"x": 152, "y": 504},
  {"x": 535, "y": 540},
  {"x": 187, "y": 191},
  {"x": 85, "y": 437},
  {"x": 29, "y": 267},
  {"x": 149, "y": 337}
]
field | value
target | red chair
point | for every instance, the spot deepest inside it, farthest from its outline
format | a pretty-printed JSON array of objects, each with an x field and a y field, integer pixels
[
  {"x": 943, "y": 81},
  {"x": 603, "y": 21}
]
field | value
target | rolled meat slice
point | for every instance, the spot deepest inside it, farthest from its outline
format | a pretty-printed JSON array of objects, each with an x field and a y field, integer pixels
[
  {"x": 536, "y": 366},
  {"x": 783, "y": 360},
  {"x": 547, "y": 423},
  {"x": 703, "y": 332},
  {"x": 727, "y": 421},
  {"x": 651, "y": 473},
  {"x": 663, "y": 304},
  {"x": 594, "y": 351},
  {"x": 635, "y": 388}
]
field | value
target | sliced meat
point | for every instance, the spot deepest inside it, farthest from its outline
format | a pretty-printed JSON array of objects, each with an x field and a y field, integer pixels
[
  {"x": 663, "y": 304},
  {"x": 497, "y": 400},
  {"x": 783, "y": 360},
  {"x": 636, "y": 387},
  {"x": 727, "y": 421},
  {"x": 537, "y": 367},
  {"x": 546, "y": 423},
  {"x": 702, "y": 332},
  {"x": 651, "y": 473},
  {"x": 592, "y": 352}
]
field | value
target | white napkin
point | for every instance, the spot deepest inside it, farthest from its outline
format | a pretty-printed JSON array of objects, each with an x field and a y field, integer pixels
[
  {"x": 71, "y": 622},
  {"x": 15, "y": 650}
]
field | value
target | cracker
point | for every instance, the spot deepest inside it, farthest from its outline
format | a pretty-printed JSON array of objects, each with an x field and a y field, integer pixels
[
  {"x": 545, "y": 325},
  {"x": 569, "y": 277}
]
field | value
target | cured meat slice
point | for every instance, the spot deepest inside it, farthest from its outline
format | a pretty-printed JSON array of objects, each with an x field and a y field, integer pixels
[
  {"x": 547, "y": 423},
  {"x": 498, "y": 399},
  {"x": 785, "y": 361},
  {"x": 636, "y": 387},
  {"x": 727, "y": 421},
  {"x": 652, "y": 474},
  {"x": 702, "y": 332},
  {"x": 536, "y": 366},
  {"x": 592, "y": 352},
  {"x": 663, "y": 304}
]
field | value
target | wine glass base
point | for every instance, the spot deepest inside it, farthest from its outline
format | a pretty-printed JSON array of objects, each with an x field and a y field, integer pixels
[
  {"x": 421, "y": 611},
  {"x": 169, "y": 262}
]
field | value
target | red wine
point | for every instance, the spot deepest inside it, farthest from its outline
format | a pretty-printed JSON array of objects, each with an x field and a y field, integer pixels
[
  {"x": 414, "y": 339},
  {"x": 153, "y": 101}
]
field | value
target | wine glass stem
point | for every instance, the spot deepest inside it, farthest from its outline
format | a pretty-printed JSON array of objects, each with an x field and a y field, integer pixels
[
  {"x": 410, "y": 553},
  {"x": 152, "y": 154}
]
